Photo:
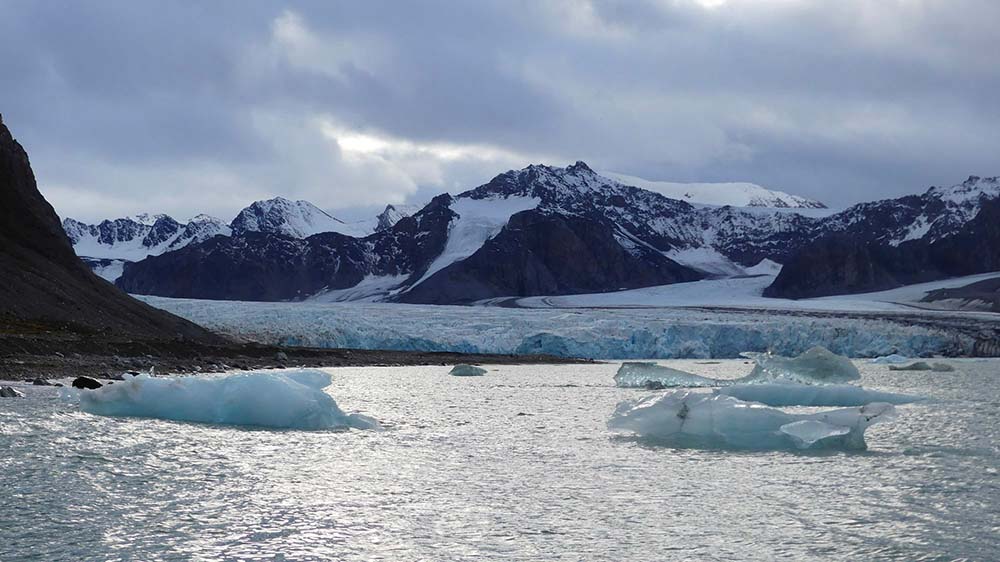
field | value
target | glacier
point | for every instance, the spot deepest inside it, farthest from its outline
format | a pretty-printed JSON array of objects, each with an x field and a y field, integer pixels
[
  {"x": 817, "y": 365},
  {"x": 619, "y": 334},
  {"x": 703, "y": 420},
  {"x": 791, "y": 394},
  {"x": 285, "y": 400}
]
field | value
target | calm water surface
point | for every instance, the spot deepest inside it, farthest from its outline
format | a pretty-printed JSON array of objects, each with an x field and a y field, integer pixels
[{"x": 514, "y": 465}]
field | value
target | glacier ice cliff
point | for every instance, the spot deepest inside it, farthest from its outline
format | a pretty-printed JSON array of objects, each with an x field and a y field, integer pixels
[
  {"x": 705, "y": 420},
  {"x": 287, "y": 400},
  {"x": 593, "y": 333}
]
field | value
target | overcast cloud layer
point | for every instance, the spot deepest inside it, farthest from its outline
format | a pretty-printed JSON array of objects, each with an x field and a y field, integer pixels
[{"x": 203, "y": 107}]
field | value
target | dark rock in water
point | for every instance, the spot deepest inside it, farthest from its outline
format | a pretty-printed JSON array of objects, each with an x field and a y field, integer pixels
[
  {"x": 9, "y": 392},
  {"x": 43, "y": 279},
  {"x": 41, "y": 382},
  {"x": 86, "y": 383}
]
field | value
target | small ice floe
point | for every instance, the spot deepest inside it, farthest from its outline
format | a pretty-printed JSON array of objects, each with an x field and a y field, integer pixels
[
  {"x": 893, "y": 359},
  {"x": 818, "y": 365},
  {"x": 923, "y": 366},
  {"x": 813, "y": 395},
  {"x": 463, "y": 370},
  {"x": 691, "y": 419},
  {"x": 290, "y": 400},
  {"x": 10, "y": 392}
]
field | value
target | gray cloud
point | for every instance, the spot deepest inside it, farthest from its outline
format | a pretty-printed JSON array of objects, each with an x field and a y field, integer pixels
[{"x": 185, "y": 107}]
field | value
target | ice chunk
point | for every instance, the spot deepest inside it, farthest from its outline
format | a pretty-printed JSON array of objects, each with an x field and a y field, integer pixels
[
  {"x": 290, "y": 399},
  {"x": 892, "y": 359},
  {"x": 923, "y": 366},
  {"x": 653, "y": 376},
  {"x": 815, "y": 365},
  {"x": 812, "y": 395},
  {"x": 463, "y": 370},
  {"x": 689, "y": 419},
  {"x": 806, "y": 432}
]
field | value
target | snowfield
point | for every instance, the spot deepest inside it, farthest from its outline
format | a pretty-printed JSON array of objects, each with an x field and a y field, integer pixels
[
  {"x": 642, "y": 333},
  {"x": 745, "y": 292}
]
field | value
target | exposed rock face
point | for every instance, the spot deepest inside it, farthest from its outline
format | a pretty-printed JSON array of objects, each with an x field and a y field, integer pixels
[
  {"x": 542, "y": 254},
  {"x": 862, "y": 261},
  {"x": 44, "y": 281}
]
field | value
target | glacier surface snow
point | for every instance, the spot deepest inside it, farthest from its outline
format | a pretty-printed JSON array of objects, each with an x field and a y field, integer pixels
[
  {"x": 690, "y": 419},
  {"x": 286, "y": 400},
  {"x": 594, "y": 333}
]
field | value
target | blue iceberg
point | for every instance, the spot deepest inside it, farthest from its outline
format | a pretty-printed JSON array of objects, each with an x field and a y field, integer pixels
[
  {"x": 813, "y": 395},
  {"x": 709, "y": 420},
  {"x": 817, "y": 365},
  {"x": 287, "y": 400}
]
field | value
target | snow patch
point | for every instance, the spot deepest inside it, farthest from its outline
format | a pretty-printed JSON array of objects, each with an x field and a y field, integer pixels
[
  {"x": 478, "y": 220},
  {"x": 736, "y": 194}
]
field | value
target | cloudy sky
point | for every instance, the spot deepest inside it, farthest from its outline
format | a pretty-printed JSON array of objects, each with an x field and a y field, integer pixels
[{"x": 184, "y": 107}]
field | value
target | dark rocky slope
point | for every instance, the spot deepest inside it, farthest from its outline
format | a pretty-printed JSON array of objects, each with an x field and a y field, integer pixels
[
  {"x": 548, "y": 254},
  {"x": 846, "y": 263},
  {"x": 45, "y": 284}
]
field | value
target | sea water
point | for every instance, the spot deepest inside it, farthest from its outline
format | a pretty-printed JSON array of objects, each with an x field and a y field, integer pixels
[{"x": 517, "y": 464}]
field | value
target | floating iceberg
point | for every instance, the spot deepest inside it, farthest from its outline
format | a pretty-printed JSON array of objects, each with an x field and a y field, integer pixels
[
  {"x": 816, "y": 366},
  {"x": 688, "y": 419},
  {"x": 653, "y": 376},
  {"x": 463, "y": 370},
  {"x": 893, "y": 359},
  {"x": 812, "y": 395},
  {"x": 291, "y": 399},
  {"x": 923, "y": 366}
]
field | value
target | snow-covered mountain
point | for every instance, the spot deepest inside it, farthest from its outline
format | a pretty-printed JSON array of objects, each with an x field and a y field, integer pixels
[
  {"x": 134, "y": 238},
  {"x": 540, "y": 230},
  {"x": 108, "y": 245},
  {"x": 944, "y": 232},
  {"x": 735, "y": 194},
  {"x": 392, "y": 214},
  {"x": 298, "y": 219}
]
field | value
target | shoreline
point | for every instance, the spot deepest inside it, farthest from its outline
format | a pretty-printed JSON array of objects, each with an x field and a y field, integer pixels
[{"x": 37, "y": 350}]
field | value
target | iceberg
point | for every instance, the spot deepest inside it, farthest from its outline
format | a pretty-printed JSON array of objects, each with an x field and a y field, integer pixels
[
  {"x": 817, "y": 365},
  {"x": 892, "y": 359},
  {"x": 288, "y": 400},
  {"x": 463, "y": 370},
  {"x": 706, "y": 420},
  {"x": 791, "y": 394},
  {"x": 652, "y": 376},
  {"x": 923, "y": 366}
]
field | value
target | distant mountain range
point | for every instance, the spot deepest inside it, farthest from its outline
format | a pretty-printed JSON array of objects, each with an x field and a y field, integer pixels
[{"x": 541, "y": 231}]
